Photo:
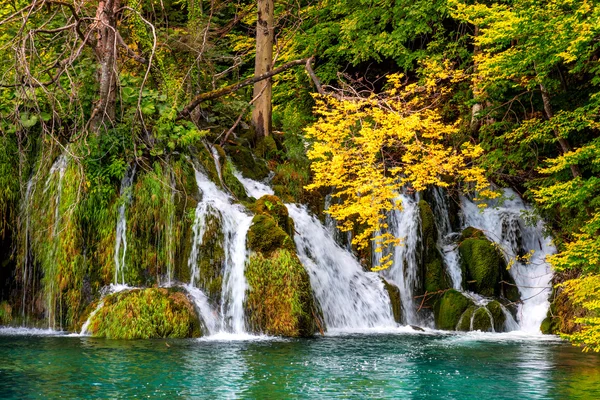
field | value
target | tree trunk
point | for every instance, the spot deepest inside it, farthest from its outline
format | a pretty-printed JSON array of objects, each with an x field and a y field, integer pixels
[
  {"x": 261, "y": 115},
  {"x": 564, "y": 144},
  {"x": 106, "y": 48},
  {"x": 477, "y": 107}
]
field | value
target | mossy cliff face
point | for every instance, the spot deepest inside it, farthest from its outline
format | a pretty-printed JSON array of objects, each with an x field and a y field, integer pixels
[
  {"x": 212, "y": 259},
  {"x": 279, "y": 300},
  {"x": 435, "y": 276},
  {"x": 146, "y": 314},
  {"x": 449, "y": 308}
]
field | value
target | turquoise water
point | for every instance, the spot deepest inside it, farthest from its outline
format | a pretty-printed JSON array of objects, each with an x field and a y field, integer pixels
[{"x": 399, "y": 365}]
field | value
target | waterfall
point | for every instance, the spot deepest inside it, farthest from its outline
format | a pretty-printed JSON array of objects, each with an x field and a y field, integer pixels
[
  {"x": 27, "y": 274},
  {"x": 235, "y": 222},
  {"x": 503, "y": 223},
  {"x": 170, "y": 243},
  {"x": 349, "y": 297},
  {"x": 447, "y": 238},
  {"x": 121, "y": 236},
  {"x": 209, "y": 316},
  {"x": 403, "y": 272},
  {"x": 344, "y": 239}
]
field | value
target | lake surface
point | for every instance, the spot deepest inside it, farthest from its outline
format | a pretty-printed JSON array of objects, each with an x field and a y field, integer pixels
[{"x": 398, "y": 364}]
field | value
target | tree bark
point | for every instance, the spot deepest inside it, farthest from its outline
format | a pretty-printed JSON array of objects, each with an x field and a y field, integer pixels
[
  {"x": 106, "y": 48},
  {"x": 261, "y": 115}
]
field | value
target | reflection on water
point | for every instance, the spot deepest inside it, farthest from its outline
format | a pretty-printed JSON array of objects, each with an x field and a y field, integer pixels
[{"x": 387, "y": 365}]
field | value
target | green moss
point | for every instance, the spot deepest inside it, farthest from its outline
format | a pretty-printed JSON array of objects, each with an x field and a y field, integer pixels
[
  {"x": 266, "y": 148},
  {"x": 146, "y": 314},
  {"x": 483, "y": 265},
  {"x": 449, "y": 308},
  {"x": 5, "y": 313},
  {"x": 233, "y": 184},
  {"x": 481, "y": 320},
  {"x": 211, "y": 258},
  {"x": 464, "y": 323},
  {"x": 435, "y": 274},
  {"x": 495, "y": 308},
  {"x": 207, "y": 162},
  {"x": 273, "y": 206},
  {"x": 471, "y": 233},
  {"x": 395, "y": 300},
  {"x": 247, "y": 164},
  {"x": 266, "y": 236},
  {"x": 279, "y": 300}
]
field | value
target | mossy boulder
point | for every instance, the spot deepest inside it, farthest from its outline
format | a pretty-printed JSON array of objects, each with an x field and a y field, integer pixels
[
  {"x": 449, "y": 308},
  {"x": 483, "y": 264},
  {"x": 464, "y": 323},
  {"x": 266, "y": 148},
  {"x": 5, "y": 313},
  {"x": 481, "y": 320},
  {"x": 395, "y": 300},
  {"x": 273, "y": 206},
  {"x": 211, "y": 257},
  {"x": 266, "y": 236},
  {"x": 145, "y": 314},
  {"x": 435, "y": 276},
  {"x": 279, "y": 300},
  {"x": 495, "y": 309}
]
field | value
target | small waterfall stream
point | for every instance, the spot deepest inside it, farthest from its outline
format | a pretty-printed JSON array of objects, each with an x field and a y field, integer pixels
[
  {"x": 503, "y": 223},
  {"x": 235, "y": 222},
  {"x": 121, "y": 236},
  {"x": 405, "y": 225}
]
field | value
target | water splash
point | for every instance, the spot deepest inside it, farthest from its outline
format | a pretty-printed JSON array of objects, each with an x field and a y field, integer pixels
[
  {"x": 121, "y": 236},
  {"x": 210, "y": 317}
]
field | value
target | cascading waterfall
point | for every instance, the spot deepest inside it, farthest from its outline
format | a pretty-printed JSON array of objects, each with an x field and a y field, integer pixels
[
  {"x": 170, "y": 245},
  {"x": 403, "y": 272},
  {"x": 235, "y": 222},
  {"x": 344, "y": 239},
  {"x": 350, "y": 298},
  {"x": 503, "y": 223},
  {"x": 27, "y": 273},
  {"x": 121, "y": 236}
]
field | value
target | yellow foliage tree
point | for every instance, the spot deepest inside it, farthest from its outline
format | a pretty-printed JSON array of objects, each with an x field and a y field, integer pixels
[{"x": 369, "y": 148}]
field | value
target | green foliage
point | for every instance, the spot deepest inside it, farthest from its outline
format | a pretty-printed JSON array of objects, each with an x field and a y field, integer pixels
[
  {"x": 146, "y": 314},
  {"x": 5, "y": 313},
  {"x": 279, "y": 300}
]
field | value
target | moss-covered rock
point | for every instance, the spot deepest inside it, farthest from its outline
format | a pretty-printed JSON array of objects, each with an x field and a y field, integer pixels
[
  {"x": 464, "y": 323},
  {"x": 495, "y": 308},
  {"x": 266, "y": 236},
  {"x": 279, "y": 300},
  {"x": 146, "y": 314},
  {"x": 483, "y": 265},
  {"x": 5, "y": 313},
  {"x": 266, "y": 148},
  {"x": 273, "y": 206},
  {"x": 481, "y": 320},
  {"x": 471, "y": 233},
  {"x": 435, "y": 276},
  {"x": 395, "y": 300},
  {"x": 232, "y": 183},
  {"x": 449, "y": 308},
  {"x": 211, "y": 258}
]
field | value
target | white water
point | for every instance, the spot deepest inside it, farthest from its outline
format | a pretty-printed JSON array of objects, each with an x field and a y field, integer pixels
[
  {"x": 350, "y": 298},
  {"x": 210, "y": 317},
  {"x": 235, "y": 222},
  {"x": 446, "y": 238},
  {"x": 25, "y": 210},
  {"x": 404, "y": 225},
  {"x": 121, "y": 236},
  {"x": 503, "y": 224},
  {"x": 344, "y": 239}
]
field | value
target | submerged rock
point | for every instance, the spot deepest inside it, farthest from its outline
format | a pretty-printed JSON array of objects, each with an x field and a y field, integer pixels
[
  {"x": 279, "y": 300},
  {"x": 146, "y": 314},
  {"x": 449, "y": 308},
  {"x": 495, "y": 309},
  {"x": 464, "y": 323}
]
